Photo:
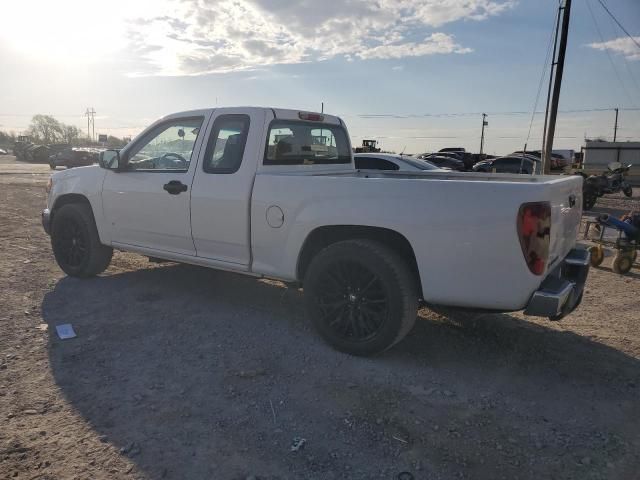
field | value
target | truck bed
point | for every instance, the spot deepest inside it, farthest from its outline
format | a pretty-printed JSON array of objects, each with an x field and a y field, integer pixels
[{"x": 462, "y": 226}]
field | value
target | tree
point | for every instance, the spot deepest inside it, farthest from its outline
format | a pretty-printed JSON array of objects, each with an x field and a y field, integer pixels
[
  {"x": 46, "y": 129},
  {"x": 7, "y": 139},
  {"x": 70, "y": 134}
]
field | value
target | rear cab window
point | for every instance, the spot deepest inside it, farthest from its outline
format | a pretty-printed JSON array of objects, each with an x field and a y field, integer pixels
[{"x": 292, "y": 142}]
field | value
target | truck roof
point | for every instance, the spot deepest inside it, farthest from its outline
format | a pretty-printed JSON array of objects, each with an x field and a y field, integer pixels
[{"x": 279, "y": 113}]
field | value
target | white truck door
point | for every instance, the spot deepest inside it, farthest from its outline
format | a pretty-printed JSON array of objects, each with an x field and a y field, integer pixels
[
  {"x": 221, "y": 192},
  {"x": 147, "y": 203}
]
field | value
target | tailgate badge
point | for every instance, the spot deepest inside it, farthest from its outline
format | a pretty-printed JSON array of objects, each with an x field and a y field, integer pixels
[{"x": 572, "y": 200}]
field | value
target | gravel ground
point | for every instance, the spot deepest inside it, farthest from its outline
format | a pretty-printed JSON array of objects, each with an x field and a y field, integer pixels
[{"x": 181, "y": 372}]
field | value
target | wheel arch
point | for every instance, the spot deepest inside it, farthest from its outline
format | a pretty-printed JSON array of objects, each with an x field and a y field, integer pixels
[
  {"x": 322, "y": 237},
  {"x": 68, "y": 198},
  {"x": 74, "y": 198}
]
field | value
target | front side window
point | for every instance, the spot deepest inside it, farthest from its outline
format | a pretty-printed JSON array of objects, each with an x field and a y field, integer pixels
[
  {"x": 306, "y": 143},
  {"x": 168, "y": 147},
  {"x": 226, "y": 144}
]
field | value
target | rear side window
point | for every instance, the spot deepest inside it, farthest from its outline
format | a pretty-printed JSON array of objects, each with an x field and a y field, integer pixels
[
  {"x": 507, "y": 165},
  {"x": 226, "y": 144},
  {"x": 306, "y": 143}
]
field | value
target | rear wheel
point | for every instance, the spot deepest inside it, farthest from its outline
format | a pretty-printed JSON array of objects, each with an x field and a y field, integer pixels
[
  {"x": 628, "y": 191},
  {"x": 75, "y": 242},
  {"x": 361, "y": 296},
  {"x": 597, "y": 255},
  {"x": 622, "y": 263}
]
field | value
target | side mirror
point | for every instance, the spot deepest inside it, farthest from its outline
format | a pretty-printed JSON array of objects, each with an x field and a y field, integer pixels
[{"x": 110, "y": 160}]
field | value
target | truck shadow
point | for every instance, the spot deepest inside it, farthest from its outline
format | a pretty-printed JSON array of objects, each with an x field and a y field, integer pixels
[{"x": 210, "y": 374}]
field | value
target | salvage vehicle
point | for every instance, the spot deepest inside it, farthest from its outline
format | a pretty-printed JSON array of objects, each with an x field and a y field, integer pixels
[
  {"x": 274, "y": 193},
  {"x": 515, "y": 163},
  {"x": 74, "y": 157},
  {"x": 612, "y": 181},
  {"x": 444, "y": 160},
  {"x": 389, "y": 161}
]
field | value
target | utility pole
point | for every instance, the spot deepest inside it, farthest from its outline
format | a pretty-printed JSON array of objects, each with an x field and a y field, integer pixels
[
  {"x": 557, "y": 83},
  {"x": 484, "y": 124},
  {"x": 322, "y": 108},
  {"x": 551, "y": 72},
  {"x": 615, "y": 127},
  {"x": 91, "y": 124}
]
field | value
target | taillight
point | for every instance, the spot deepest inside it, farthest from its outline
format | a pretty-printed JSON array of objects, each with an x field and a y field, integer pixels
[{"x": 534, "y": 230}]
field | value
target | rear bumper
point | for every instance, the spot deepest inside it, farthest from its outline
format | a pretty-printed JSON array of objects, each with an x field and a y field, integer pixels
[
  {"x": 561, "y": 291},
  {"x": 46, "y": 221}
]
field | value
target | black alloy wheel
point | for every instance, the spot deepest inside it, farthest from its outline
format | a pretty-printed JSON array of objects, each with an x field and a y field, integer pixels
[
  {"x": 71, "y": 244},
  {"x": 361, "y": 296},
  {"x": 352, "y": 301}
]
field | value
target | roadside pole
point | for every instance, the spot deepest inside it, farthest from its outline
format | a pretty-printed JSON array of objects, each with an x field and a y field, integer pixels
[
  {"x": 548, "y": 145},
  {"x": 615, "y": 127},
  {"x": 484, "y": 124}
]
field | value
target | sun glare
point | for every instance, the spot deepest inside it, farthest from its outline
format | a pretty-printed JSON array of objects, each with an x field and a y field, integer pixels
[{"x": 73, "y": 30}]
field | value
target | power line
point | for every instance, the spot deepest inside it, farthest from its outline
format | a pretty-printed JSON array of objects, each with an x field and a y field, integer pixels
[
  {"x": 619, "y": 24},
  {"x": 613, "y": 65},
  {"x": 554, "y": 30},
  {"x": 469, "y": 114}
]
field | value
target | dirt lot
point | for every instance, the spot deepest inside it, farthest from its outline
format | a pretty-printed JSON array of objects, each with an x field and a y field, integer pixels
[{"x": 180, "y": 372}]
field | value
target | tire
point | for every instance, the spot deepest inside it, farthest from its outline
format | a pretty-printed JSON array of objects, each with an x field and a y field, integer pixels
[
  {"x": 361, "y": 296},
  {"x": 597, "y": 255},
  {"x": 75, "y": 242},
  {"x": 622, "y": 263},
  {"x": 52, "y": 165},
  {"x": 634, "y": 255},
  {"x": 628, "y": 192}
]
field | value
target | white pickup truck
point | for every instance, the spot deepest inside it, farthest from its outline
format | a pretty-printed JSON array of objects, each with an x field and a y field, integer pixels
[{"x": 274, "y": 193}]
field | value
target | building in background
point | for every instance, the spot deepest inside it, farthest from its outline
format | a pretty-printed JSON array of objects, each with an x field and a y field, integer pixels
[{"x": 598, "y": 154}]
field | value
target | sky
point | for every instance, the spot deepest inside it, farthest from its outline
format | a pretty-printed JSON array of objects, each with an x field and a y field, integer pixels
[{"x": 415, "y": 75}]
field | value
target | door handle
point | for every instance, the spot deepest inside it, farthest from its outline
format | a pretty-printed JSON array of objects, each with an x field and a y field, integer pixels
[{"x": 174, "y": 187}]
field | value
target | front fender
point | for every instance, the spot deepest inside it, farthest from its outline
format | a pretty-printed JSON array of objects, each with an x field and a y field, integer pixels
[{"x": 83, "y": 182}]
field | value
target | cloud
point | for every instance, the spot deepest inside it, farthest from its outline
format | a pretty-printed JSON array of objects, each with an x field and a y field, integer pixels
[
  {"x": 215, "y": 36},
  {"x": 623, "y": 46},
  {"x": 435, "y": 43}
]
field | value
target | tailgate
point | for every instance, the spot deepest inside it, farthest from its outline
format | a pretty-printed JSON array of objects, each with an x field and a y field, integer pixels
[{"x": 565, "y": 195}]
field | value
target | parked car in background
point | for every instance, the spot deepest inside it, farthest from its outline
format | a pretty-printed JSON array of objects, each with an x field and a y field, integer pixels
[
  {"x": 74, "y": 157},
  {"x": 3, "y": 151},
  {"x": 389, "y": 162},
  {"x": 468, "y": 158},
  {"x": 558, "y": 161},
  {"x": 525, "y": 164},
  {"x": 444, "y": 160}
]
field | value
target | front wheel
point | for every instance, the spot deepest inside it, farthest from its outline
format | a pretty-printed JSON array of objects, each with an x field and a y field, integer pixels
[
  {"x": 628, "y": 191},
  {"x": 75, "y": 242},
  {"x": 361, "y": 296}
]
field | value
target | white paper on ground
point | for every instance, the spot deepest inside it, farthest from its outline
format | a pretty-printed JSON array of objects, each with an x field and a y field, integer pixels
[{"x": 65, "y": 331}]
